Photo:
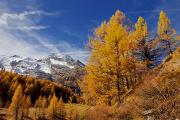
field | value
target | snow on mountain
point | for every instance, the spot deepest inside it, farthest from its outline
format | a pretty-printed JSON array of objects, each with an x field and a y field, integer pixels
[
  {"x": 45, "y": 68},
  {"x": 56, "y": 67},
  {"x": 7, "y": 60},
  {"x": 23, "y": 65},
  {"x": 64, "y": 63}
]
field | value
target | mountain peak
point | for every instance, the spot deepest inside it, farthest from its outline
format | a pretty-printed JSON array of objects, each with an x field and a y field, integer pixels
[
  {"x": 16, "y": 56},
  {"x": 55, "y": 55},
  {"x": 35, "y": 67}
]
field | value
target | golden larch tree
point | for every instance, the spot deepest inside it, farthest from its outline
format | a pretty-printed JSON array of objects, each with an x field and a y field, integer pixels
[
  {"x": 165, "y": 31},
  {"x": 61, "y": 109},
  {"x": 15, "y": 105},
  {"x": 142, "y": 48},
  {"x": 25, "y": 106},
  {"x": 109, "y": 45},
  {"x": 52, "y": 108}
]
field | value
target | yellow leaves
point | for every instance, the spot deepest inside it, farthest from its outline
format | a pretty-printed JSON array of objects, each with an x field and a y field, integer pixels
[
  {"x": 56, "y": 108},
  {"x": 141, "y": 29},
  {"x": 178, "y": 37},
  {"x": 40, "y": 102},
  {"x": 138, "y": 37},
  {"x": 116, "y": 38},
  {"x": 101, "y": 31},
  {"x": 164, "y": 27},
  {"x": 52, "y": 107},
  {"x": 163, "y": 24},
  {"x": 118, "y": 16},
  {"x": 16, "y": 101},
  {"x": 109, "y": 45},
  {"x": 28, "y": 99}
]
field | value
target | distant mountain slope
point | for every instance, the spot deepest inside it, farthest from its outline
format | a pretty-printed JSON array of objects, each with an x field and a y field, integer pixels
[
  {"x": 31, "y": 87},
  {"x": 53, "y": 67}
]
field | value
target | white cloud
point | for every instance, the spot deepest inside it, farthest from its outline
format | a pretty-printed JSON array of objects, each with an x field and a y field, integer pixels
[
  {"x": 23, "y": 20},
  {"x": 19, "y": 34},
  {"x": 18, "y": 31},
  {"x": 33, "y": 27},
  {"x": 76, "y": 53},
  {"x": 71, "y": 33},
  {"x": 11, "y": 44}
]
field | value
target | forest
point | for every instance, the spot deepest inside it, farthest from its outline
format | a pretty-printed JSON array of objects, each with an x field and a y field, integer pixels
[{"x": 132, "y": 74}]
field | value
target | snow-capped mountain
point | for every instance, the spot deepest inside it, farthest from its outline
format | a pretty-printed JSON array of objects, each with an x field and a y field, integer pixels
[
  {"x": 56, "y": 67},
  {"x": 23, "y": 64}
]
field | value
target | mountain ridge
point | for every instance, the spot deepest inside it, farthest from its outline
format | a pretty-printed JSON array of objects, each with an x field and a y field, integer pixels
[{"x": 52, "y": 67}]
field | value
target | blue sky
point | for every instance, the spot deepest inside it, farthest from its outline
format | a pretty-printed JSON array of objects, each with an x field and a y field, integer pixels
[{"x": 40, "y": 27}]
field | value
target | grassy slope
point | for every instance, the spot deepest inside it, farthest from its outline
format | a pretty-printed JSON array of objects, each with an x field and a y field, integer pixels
[{"x": 158, "y": 95}]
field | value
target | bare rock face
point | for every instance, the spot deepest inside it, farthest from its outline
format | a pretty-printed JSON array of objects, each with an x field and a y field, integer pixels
[{"x": 55, "y": 67}]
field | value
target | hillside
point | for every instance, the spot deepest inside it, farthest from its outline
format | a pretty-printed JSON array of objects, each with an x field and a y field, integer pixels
[
  {"x": 31, "y": 87},
  {"x": 158, "y": 96},
  {"x": 155, "y": 98}
]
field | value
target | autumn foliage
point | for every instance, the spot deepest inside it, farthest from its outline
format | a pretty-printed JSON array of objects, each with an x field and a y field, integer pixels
[
  {"x": 120, "y": 57},
  {"x": 31, "y": 87},
  {"x": 123, "y": 79}
]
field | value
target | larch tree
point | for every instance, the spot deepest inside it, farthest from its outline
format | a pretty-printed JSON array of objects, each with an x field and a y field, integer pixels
[
  {"x": 109, "y": 45},
  {"x": 116, "y": 44},
  {"x": 61, "y": 109},
  {"x": 143, "y": 44},
  {"x": 37, "y": 106},
  {"x": 15, "y": 105},
  {"x": 166, "y": 34},
  {"x": 72, "y": 112},
  {"x": 26, "y": 104},
  {"x": 40, "y": 105},
  {"x": 52, "y": 108},
  {"x": 43, "y": 107},
  {"x": 94, "y": 66}
]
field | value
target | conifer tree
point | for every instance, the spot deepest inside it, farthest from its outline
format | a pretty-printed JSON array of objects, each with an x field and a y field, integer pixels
[
  {"x": 166, "y": 33},
  {"x": 44, "y": 105},
  {"x": 37, "y": 106},
  {"x": 25, "y": 106},
  {"x": 52, "y": 108},
  {"x": 15, "y": 105},
  {"x": 72, "y": 113},
  {"x": 142, "y": 48},
  {"x": 109, "y": 46},
  {"x": 28, "y": 105},
  {"x": 61, "y": 109}
]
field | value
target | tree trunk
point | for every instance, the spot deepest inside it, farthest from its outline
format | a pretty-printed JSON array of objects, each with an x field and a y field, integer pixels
[
  {"x": 169, "y": 47},
  {"x": 118, "y": 90},
  {"x": 127, "y": 83}
]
